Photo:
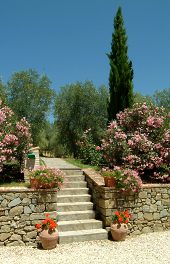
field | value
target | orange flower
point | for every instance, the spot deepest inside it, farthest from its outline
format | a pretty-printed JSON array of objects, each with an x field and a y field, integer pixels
[
  {"x": 120, "y": 219},
  {"x": 38, "y": 226}
]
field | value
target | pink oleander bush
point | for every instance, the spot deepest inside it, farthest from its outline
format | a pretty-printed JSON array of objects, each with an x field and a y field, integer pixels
[
  {"x": 139, "y": 139},
  {"x": 15, "y": 137}
]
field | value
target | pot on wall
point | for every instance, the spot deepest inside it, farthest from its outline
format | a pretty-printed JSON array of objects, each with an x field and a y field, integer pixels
[
  {"x": 109, "y": 181},
  {"x": 36, "y": 184},
  {"x": 119, "y": 231},
  {"x": 48, "y": 239}
]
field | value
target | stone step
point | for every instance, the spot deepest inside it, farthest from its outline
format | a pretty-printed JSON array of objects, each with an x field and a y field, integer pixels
[
  {"x": 78, "y": 215},
  {"x": 74, "y": 178},
  {"x": 82, "y": 235},
  {"x": 79, "y": 225},
  {"x": 76, "y": 206},
  {"x": 73, "y": 191},
  {"x": 72, "y": 171},
  {"x": 78, "y": 184},
  {"x": 73, "y": 198}
]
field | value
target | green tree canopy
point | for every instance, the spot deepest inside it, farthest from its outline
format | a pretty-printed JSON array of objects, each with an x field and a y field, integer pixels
[
  {"x": 78, "y": 107},
  {"x": 139, "y": 98},
  {"x": 162, "y": 98},
  {"x": 30, "y": 96},
  {"x": 3, "y": 95},
  {"x": 121, "y": 72}
]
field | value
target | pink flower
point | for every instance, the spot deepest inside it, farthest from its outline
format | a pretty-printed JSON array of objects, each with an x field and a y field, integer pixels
[{"x": 98, "y": 148}]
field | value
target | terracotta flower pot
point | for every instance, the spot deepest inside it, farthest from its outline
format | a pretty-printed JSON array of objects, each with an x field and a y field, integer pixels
[
  {"x": 36, "y": 184},
  {"x": 109, "y": 181},
  {"x": 119, "y": 231},
  {"x": 48, "y": 239}
]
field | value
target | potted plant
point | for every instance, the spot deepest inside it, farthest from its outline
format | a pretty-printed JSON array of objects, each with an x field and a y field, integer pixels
[
  {"x": 46, "y": 178},
  {"x": 109, "y": 178},
  {"x": 119, "y": 228},
  {"x": 124, "y": 179},
  {"x": 47, "y": 232}
]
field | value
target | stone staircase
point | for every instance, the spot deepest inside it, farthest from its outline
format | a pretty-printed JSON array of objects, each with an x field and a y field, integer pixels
[{"x": 76, "y": 218}]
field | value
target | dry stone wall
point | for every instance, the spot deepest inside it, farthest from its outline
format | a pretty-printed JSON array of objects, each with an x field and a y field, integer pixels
[
  {"x": 20, "y": 210},
  {"x": 150, "y": 208}
]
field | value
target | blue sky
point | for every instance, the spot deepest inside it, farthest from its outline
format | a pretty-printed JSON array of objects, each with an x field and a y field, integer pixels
[{"x": 68, "y": 40}]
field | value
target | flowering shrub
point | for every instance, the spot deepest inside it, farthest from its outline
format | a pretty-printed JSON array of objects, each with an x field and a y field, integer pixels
[
  {"x": 47, "y": 177},
  {"x": 121, "y": 217},
  {"x": 88, "y": 151},
  {"x": 47, "y": 224},
  {"x": 126, "y": 180},
  {"x": 140, "y": 140},
  {"x": 15, "y": 137}
]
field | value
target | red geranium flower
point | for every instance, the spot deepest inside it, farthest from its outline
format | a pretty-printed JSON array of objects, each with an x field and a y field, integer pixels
[
  {"x": 47, "y": 223},
  {"x": 121, "y": 217}
]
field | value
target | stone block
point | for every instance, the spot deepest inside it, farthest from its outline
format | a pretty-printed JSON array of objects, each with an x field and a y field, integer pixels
[
  {"x": 14, "y": 224},
  {"x": 166, "y": 202},
  {"x": 37, "y": 216},
  {"x": 40, "y": 208},
  {"x": 4, "y": 219},
  {"x": 34, "y": 201},
  {"x": 153, "y": 208},
  {"x": 29, "y": 228},
  {"x": 148, "y": 216},
  {"x": 143, "y": 194},
  {"x": 140, "y": 215},
  {"x": 146, "y": 208},
  {"x": 50, "y": 207},
  {"x": 47, "y": 197},
  {"x": 4, "y": 203},
  {"x": 27, "y": 210},
  {"x": 159, "y": 203},
  {"x": 148, "y": 201},
  {"x": 33, "y": 209},
  {"x": 18, "y": 210},
  {"x": 146, "y": 229},
  {"x": 4, "y": 236},
  {"x": 163, "y": 213},
  {"x": 165, "y": 196},
  {"x": 24, "y": 195},
  {"x": 26, "y": 201},
  {"x": 14, "y": 202},
  {"x": 157, "y": 227},
  {"x": 5, "y": 229},
  {"x": 156, "y": 216},
  {"x": 31, "y": 234},
  {"x": 16, "y": 243},
  {"x": 25, "y": 217},
  {"x": 107, "y": 221},
  {"x": 9, "y": 196},
  {"x": 136, "y": 232},
  {"x": 158, "y": 197},
  {"x": 20, "y": 232},
  {"x": 15, "y": 237}
]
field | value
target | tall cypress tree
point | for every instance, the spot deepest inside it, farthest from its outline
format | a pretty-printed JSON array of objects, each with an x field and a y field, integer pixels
[{"x": 121, "y": 72}]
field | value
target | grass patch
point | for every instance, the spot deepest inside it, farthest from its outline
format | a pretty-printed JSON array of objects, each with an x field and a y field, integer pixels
[
  {"x": 14, "y": 184},
  {"x": 42, "y": 162},
  {"x": 80, "y": 164}
]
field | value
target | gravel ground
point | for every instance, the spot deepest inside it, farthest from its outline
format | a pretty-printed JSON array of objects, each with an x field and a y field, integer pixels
[{"x": 145, "y": 249}]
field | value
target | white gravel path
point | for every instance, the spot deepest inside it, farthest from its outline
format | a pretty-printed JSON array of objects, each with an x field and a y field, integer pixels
[{"x": 150, "y": 248}]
